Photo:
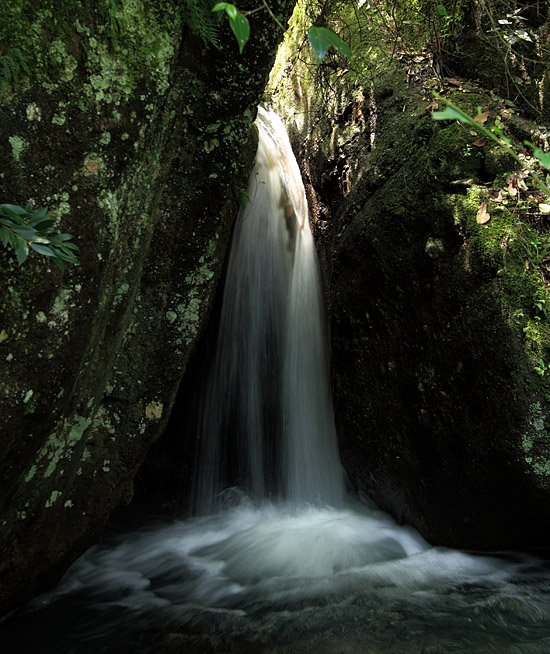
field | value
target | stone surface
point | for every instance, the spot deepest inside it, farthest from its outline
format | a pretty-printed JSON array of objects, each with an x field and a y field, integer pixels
[
  {"x": 440, "y": 333},
  {"x": 435, "y": 388},
  {"x": 137, "y": 135}
]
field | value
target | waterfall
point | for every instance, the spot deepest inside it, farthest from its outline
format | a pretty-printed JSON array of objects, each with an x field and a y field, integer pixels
[
  {"x": 292, "y": 566},
  {"x": 267, "y": 423}
]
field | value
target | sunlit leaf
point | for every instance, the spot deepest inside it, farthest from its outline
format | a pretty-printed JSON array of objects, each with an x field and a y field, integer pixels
[
  {"x": 322, "y": 38},
  {"x": 241, "y": 29},
  {"x": 220, "y": 6},
  {"x": 543, "y": 157},
  {"x": 450, "y": 114},
  {"x": 229, "y": 9}
]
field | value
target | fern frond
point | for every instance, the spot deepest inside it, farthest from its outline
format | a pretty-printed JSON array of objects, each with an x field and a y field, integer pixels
[{"x": 202, "y": 21}]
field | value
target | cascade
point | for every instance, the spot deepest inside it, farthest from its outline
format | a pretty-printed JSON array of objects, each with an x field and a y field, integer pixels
[
  {"x": 267, "y": 416},
  {"x": 293, "y": 565}
]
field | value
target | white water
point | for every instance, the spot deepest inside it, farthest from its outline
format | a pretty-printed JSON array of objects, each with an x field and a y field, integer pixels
[
  {"x": 281, "y": 561},
  {"x": 268, "y": 423}
]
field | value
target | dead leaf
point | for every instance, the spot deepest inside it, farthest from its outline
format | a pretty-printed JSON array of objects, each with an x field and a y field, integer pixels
[
  {"x": 544, "y": 208},
  {"x": 452, "y": 80},
  {"x": 482, "y": 118},
  {"x": 512, "y": 188},
  {"x": 91, "y": 167},
  {"x": 498, "y": 197},
  {"x": 483, "y": 216},
  {"x": 479, "y": 143}
]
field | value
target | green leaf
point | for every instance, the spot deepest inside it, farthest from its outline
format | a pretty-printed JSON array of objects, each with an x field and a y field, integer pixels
[
  {"x": 337, "y": 43},
  {"x": 13, "y": 208},
  {"x": 322, "y": 38},
  {"x": 40, "y": 213},
  {"x": 16, "y": 217},
  {"x": 319, "y": 43},
  {"x": 450, "y": 114},
  {"x": 42, "y": 249},
  {"x": 28, "y": 233},
  {"x": 543, "y": 157},
  {"x": 44, "y": 225},
  {"x": 70, "y": 246},
  {"x": 22, "y": 252},
  {"x": 38, "y": 216},
  {"x": 441, "y": 10},
  {"x": 229, "y": 9},
  {"x": 241, "y": 29}
]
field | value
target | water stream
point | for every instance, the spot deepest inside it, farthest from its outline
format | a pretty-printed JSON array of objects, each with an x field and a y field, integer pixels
[{"x": 277, "y": 558}]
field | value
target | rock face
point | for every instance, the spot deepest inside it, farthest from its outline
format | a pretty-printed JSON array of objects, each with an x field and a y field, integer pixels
[
  {"x": 135, "y": 132},
  {"x": 440, "y": 332},
  {"x": 435, "y": 392}
]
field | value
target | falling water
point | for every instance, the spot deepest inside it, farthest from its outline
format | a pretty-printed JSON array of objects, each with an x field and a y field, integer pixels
[
  {"x": 268, "y": 423},
  {"x": 292, "y": 566}
]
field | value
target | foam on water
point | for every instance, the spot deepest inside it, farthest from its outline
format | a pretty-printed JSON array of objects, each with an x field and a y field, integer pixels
[{"x": 262, "y": 574}]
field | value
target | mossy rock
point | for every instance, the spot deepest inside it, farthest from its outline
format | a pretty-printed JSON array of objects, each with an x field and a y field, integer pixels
[
  {"x": 120, "y": 127},
  {"x": 439, "y": 397}
]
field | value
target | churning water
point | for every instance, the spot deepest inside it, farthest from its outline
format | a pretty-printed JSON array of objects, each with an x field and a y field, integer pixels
[{"x": 277, "y": 559}]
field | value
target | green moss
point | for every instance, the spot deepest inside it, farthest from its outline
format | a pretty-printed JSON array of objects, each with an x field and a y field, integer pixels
[
  {"x": 18, "y": 146},
  {"x": 509, "y": 247},
  {"x": 59, "y": 445},
  {"x": 59, "y": 119},
  {"x": 55, "y": 495},
  {"x": 115, "y": 44}
]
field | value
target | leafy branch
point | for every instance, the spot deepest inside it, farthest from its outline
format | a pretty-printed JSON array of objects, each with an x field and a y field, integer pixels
[
  {"x": 25, "y": 230},
  {"x": 237, "y": 20},
  {"x": 495, "y": 134},
  {"x": 321, "y": 38}
]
